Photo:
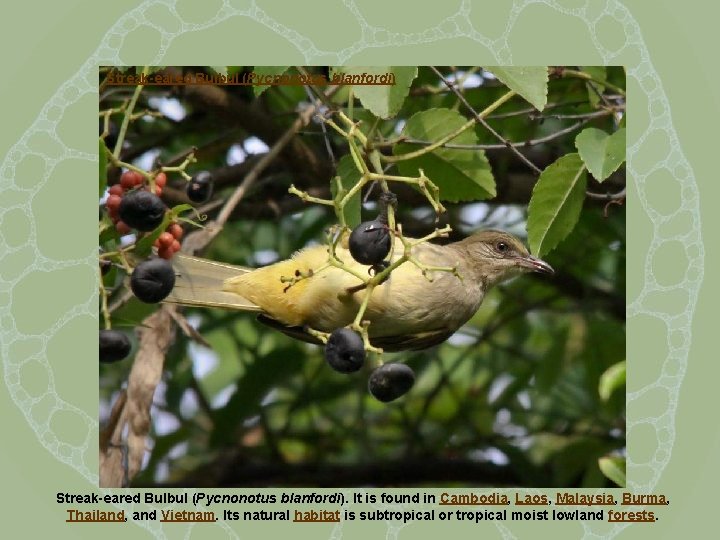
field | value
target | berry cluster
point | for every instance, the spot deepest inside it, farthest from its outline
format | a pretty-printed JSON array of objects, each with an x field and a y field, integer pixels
[
  {"x": 345, "y": 353},
  {"x": 131, "y": 205},
  {"x": 369, "y": 244},
  {"x": 168, "y": 243}
]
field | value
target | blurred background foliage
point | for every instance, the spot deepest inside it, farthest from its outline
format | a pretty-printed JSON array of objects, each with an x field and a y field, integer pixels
[{"x": 513, "y": 399}]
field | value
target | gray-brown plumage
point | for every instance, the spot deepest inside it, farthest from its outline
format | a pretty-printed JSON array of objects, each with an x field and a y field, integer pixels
[{"x": 405, "y": 312}]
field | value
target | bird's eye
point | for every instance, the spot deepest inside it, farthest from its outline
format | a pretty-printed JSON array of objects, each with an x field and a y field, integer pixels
[{"x": 502, "y": 247}]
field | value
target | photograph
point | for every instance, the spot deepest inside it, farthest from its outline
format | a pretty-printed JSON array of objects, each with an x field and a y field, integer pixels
[{"x": 359, "y": 276}]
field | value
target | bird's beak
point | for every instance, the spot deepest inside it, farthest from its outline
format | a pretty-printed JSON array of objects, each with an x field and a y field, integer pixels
[{"x": 536, "y": 265}]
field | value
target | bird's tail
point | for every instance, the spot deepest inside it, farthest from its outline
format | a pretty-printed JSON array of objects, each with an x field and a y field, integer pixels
[{"x": 200, "y": 282}]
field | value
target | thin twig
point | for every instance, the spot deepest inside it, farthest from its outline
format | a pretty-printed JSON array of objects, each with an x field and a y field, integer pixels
[
  {"x": 522, "y": 144},
  {"x": 325, "y": 135},
  {"x": 607, "y": 196},
  {"x": 611, "y": 198},
  {"x": 126, "y": 118},
  {"x": 487, "y": 126},
  {"x": 588, "y": 77}
]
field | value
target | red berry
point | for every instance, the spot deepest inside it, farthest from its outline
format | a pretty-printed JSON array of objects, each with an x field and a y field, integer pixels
[
  {"x": 166, "y": 239},
  {"x": 117, "y": 189},
  {"x": 175, "y": 246},
  {"x": 113, "y": 202},
  {"x": 176, "y": 230},
  {"x": 161, "y": 179},
  {"x": 127, "y": 180},
  {"x": 123, "y": 228},
  {"x": 158, "y": 190},
  {"x": 165, "y": 252}
]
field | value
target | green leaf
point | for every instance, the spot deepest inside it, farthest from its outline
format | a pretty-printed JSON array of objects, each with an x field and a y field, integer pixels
[
  {"x": 102, "y": 156},
  {"x": 602, "y": 153},
  {"x": 461, "y": 175},
  {"x": 267, "y": 70},
  {"x": 555, "y": 203},
  {"x": 384, "y": 100},
  {"x": 529, "y": 82},
  {"x": 611, "y": 380},
  {"x": 593, "y": 88},
  {"x": 613, "y": 468},
  {"x": 349, "y": 176}
]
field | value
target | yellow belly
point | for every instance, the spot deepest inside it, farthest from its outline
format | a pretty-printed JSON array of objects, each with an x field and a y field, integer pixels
[{"x": 407, "y": 303}]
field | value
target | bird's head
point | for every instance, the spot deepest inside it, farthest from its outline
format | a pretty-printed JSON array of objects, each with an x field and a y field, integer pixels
[{"x": 498, "y": 256}]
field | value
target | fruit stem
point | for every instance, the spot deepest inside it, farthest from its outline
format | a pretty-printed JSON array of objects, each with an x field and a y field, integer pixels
[
  {"x": 116, "y": 162},
  {"x": 128, "y": 114},
  {"x": 322, "y": 336},
  {"x": 104, "y": 304},
  {"x": 306, "y": 197},
  {"x": 190, "y": 158},
  {"x": 362, "y": 329}
]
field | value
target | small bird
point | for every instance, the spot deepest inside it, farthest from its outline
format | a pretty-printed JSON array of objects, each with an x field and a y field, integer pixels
[{"x": 408, "y": 311}]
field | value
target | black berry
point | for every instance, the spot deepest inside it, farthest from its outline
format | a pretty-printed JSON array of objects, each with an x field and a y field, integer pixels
[
  {"x": 152, "y": 280},
  {"x": 370, "y": 242},
  {"x": 345, "y": 351},
  {"x": 200, "y": 187},
  {"x": 390, "y": 381},
  {"x": 114, "y": 346},
  {"x": 142, "y": 210}
]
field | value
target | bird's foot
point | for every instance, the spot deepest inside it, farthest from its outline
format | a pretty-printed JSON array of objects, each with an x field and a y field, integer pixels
[{"x": 322, "y": 336}]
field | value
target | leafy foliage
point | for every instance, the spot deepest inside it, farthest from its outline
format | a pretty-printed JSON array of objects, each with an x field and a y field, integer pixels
[
  {"x": 530, "y": 392},
  {"x": 383, "y": 101},
  {"x": 530, "y": 82},
  {"x": 556, "y": 203},
  {"x": 460, "y": 175},
  {"x": 602, "y": 153}
]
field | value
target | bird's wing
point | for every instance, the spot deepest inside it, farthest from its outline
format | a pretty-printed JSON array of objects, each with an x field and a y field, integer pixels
[
  {"x": 295, "y": 332},
  {"x": 199, "y": 282},
  {"x": 416, "y": 342}
]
